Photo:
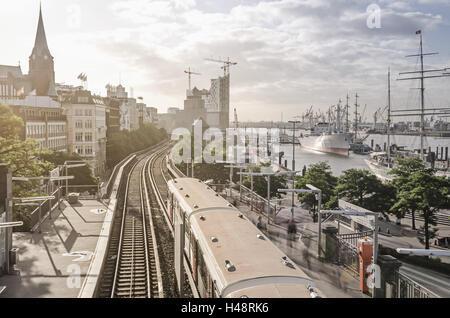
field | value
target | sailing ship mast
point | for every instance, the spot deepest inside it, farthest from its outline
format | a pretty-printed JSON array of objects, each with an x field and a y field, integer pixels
[
  {"x": 422, "y": 78},
  {"x": 356, "y": 116},
  {"x": 347, "y": 126},
  {"x": 389, "y": 120}
]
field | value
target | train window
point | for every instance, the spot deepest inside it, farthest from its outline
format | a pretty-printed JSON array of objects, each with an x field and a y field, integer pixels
[
  {"x": 203, "y": 271},
  {"x": 195, "y": 259}
]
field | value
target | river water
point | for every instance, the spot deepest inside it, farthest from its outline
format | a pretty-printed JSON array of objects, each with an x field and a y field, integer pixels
[{"x": 341, "y": 163}]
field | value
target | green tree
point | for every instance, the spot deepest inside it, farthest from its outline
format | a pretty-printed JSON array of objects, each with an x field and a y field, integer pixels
[
  {"x": 82, "y": 175},
  {"x": 427, "y": 193},
  {"x": 403, "y": 170},
  {"x": 260, "y": 183},
  {"x": 123, "y": 143},
  {"x": 320, "y": 176},
  {"x": 362, "y": 188},
  {"x": 23, "y": 157}
]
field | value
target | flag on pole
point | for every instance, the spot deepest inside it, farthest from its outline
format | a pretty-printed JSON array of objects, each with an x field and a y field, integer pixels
[
  {"x": 419, "y": 32},
  {"x": 82, "y": 77}
]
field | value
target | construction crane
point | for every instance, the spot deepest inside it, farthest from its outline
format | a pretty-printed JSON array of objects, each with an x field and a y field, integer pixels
[
  {"x": 226, "y": 65},
  {"x": 189, "y": 75}
]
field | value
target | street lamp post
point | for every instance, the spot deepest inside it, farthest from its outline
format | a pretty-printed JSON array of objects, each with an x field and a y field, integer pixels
[{"x": 294, "y": 122}]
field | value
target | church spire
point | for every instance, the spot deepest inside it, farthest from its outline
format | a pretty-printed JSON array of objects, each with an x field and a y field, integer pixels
[
  {"x": 40, "y": 44},
  {"x": 41, "y": 70}
]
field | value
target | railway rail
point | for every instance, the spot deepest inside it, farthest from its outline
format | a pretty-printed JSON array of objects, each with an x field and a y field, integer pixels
[{"x": 139, "y": 260}]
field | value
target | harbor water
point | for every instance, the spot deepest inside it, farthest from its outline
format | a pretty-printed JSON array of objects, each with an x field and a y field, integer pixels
[{"x": 338, "y": 163}]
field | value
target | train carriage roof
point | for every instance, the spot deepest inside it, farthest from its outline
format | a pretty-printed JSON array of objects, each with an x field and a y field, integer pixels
[{"x": 244, "y": 258}]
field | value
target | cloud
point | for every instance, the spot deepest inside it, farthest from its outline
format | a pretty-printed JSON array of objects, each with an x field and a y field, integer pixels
[{"x": 290, "y": 53}]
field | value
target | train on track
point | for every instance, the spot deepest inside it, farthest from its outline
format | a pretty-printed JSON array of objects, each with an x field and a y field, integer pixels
[{"x": 227, "y": 255}]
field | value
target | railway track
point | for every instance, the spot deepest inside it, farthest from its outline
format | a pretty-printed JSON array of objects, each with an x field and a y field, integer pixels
[
  {"x": 139, "y": 261},
  {"x": 158, "y": 177}
]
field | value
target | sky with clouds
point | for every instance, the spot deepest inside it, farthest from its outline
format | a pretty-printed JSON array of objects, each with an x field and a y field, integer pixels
[{"x": 291, "y": 53}]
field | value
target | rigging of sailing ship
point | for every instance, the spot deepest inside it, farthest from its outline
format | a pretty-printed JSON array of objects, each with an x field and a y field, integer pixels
[{"x": 382, "y": 162}]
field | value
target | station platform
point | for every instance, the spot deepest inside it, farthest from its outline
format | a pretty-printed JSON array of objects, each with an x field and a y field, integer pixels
[
  {"x": 54, "y": 263},
  {"x": 331, "y": 279}
]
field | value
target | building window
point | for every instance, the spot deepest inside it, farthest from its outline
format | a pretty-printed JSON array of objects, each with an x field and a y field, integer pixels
[
  {"x": 79, "y": 124},
  {"x": 88, "y": 136},
  {"x": 88, "y": 150},
  {"x": 88, "y": 124},
  {"x": 78, "y": 136},
  {"x": 79, "y": 150}
]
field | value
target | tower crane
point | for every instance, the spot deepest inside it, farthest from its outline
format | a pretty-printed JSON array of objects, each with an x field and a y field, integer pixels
[
  {"x": 226, "y": 65},
  {"x": 190, "y": 73}
]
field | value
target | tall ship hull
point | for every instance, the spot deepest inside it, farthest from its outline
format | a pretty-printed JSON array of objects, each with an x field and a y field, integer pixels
[{"x": 332, "y": 143}]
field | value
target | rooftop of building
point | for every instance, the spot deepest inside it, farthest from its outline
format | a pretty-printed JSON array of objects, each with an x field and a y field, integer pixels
[
  {"x": 32, "y": 101},
  {"x": 86, "y": 98},
  {"x": 15, "y": 71}
]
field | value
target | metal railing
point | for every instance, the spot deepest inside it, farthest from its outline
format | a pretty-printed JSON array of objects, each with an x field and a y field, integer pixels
[
  {"x": 408, "y": 288},
  {"x": 46, "y": 207},
  {"x": 259, "y": 202},
  {"x": 351, "y": 240}
]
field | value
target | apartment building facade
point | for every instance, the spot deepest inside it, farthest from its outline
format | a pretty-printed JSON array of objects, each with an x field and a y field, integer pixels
[{"x": 86, "y": 117}]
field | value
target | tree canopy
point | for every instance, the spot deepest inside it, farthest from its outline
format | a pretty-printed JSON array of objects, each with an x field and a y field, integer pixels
[
  {"x": 123, "y": 143},
  {"x": 320, "y": 176},
  {"x": 364, "y": 189},
  {"x": 260, "y": 183},
  {"x": 425, "y": 193}
]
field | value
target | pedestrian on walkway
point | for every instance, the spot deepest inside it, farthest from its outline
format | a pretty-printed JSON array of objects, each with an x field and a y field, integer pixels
[
  {"x": 259, "y": 224},
  {"x": 291, "y": 230}
]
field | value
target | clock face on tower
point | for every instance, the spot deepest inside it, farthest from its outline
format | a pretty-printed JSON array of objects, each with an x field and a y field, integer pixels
[
  {"x": 45, "y": 57},
  {"x": 34, "y": 56}
]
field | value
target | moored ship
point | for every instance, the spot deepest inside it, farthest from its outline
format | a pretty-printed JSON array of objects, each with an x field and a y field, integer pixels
[{"x": 321, "y": 139}]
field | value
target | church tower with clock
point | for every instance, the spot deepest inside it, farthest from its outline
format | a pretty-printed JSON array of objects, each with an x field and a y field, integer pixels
[{"x": 41, "y": 66}]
